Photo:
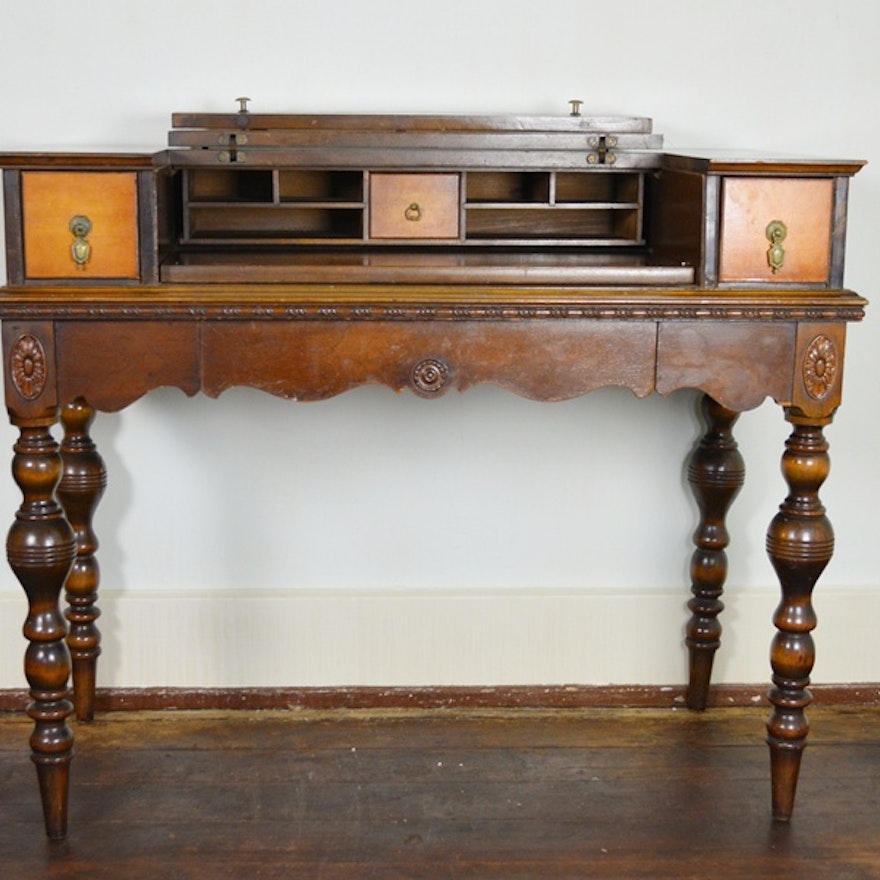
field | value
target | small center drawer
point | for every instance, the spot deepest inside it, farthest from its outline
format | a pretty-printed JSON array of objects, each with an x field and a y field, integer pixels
[{"x": 407, "y": 206}]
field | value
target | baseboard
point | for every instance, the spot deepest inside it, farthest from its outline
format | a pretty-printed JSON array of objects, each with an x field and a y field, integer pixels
[
  {"x": 416, "y": 638},
  {"x": 525, "y": 697}
]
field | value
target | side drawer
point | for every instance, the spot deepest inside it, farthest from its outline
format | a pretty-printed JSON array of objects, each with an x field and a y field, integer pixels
[
  {"x": 801, "y": 210},
  {"x": 102, "y": 244},
  {"x": 407, "y": 206}
]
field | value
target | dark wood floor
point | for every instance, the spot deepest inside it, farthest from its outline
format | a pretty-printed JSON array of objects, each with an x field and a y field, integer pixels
[{"x": 477, "y": 794}]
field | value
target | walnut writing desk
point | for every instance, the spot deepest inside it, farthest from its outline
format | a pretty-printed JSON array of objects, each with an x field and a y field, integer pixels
[{"x": 308, "y": 255}]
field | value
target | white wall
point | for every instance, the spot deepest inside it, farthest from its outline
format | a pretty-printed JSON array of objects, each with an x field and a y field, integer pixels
[{"x": 479, "y": 538}]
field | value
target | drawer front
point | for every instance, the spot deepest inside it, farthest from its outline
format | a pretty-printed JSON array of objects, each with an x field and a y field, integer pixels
[
  {"x": 800, "y": 238},
  {"x": 103, "y": 244},
  {"x": 407, "y": 206}
]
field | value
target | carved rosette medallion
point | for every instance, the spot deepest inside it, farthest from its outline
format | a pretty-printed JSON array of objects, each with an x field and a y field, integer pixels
[
  {"x": 820, "y": 367},
  {"x": 27, "y": 366},
  {"x": 430, "y": 376}
]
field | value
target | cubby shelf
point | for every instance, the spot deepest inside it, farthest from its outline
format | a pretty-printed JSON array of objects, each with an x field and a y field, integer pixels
[{"x": 516, "y": 208}]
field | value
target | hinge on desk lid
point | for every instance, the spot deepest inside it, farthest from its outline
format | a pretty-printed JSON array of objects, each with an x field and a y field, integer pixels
[
  {"x": 233, "y": 154},
  {"x": 601, "y": 150}
]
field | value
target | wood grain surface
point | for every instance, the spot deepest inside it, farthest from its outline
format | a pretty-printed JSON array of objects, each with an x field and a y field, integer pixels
[{"x": 428, "y": 794}]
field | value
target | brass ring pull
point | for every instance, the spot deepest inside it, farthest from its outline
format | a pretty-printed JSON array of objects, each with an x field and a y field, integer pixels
[
  {"x": 80, "y": 226},
  {"x": 413, "y": 212},
  {"x": 776, "y": 232}
]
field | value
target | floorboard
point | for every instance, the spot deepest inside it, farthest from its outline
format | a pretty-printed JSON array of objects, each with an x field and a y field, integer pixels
[{"x": 435, "y": 794}]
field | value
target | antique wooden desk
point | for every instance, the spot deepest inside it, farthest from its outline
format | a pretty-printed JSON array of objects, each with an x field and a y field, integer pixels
[{"x": 308, "y": 255}]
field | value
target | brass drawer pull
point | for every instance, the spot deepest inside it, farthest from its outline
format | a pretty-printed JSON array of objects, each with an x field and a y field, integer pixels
[
  {"x": 80, "y": 226},
  {"x": 413, "y": 212},
  {"x": 776, "y": 232}
]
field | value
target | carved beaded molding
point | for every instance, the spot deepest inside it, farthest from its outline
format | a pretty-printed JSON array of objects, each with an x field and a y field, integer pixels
[
  {"x": 435, "y": 312},
  {"x": 27, "y": 366}
]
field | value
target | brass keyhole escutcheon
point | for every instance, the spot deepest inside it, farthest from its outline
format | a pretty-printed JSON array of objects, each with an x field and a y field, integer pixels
[
  {"x": 776, "y": 232},
  {"x": 413, "y": 212},
  {"x": 80, "y": 226}
]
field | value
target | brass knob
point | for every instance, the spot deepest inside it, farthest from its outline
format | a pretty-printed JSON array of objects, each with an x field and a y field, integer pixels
[
  {"x": 776, "y": 232},
  {"x": 80, "y": 226},
  {"x": 242, "y": 104},
  {"x": 575, "y": 107}
]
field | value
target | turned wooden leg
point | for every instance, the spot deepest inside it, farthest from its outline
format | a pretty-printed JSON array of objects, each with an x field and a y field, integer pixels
[
  {"x": 82, "y": 484},
  {"x": 716, "y": 473},
  {"x": 800, "y": 542},
  {"x": 40, "y": 548}
]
